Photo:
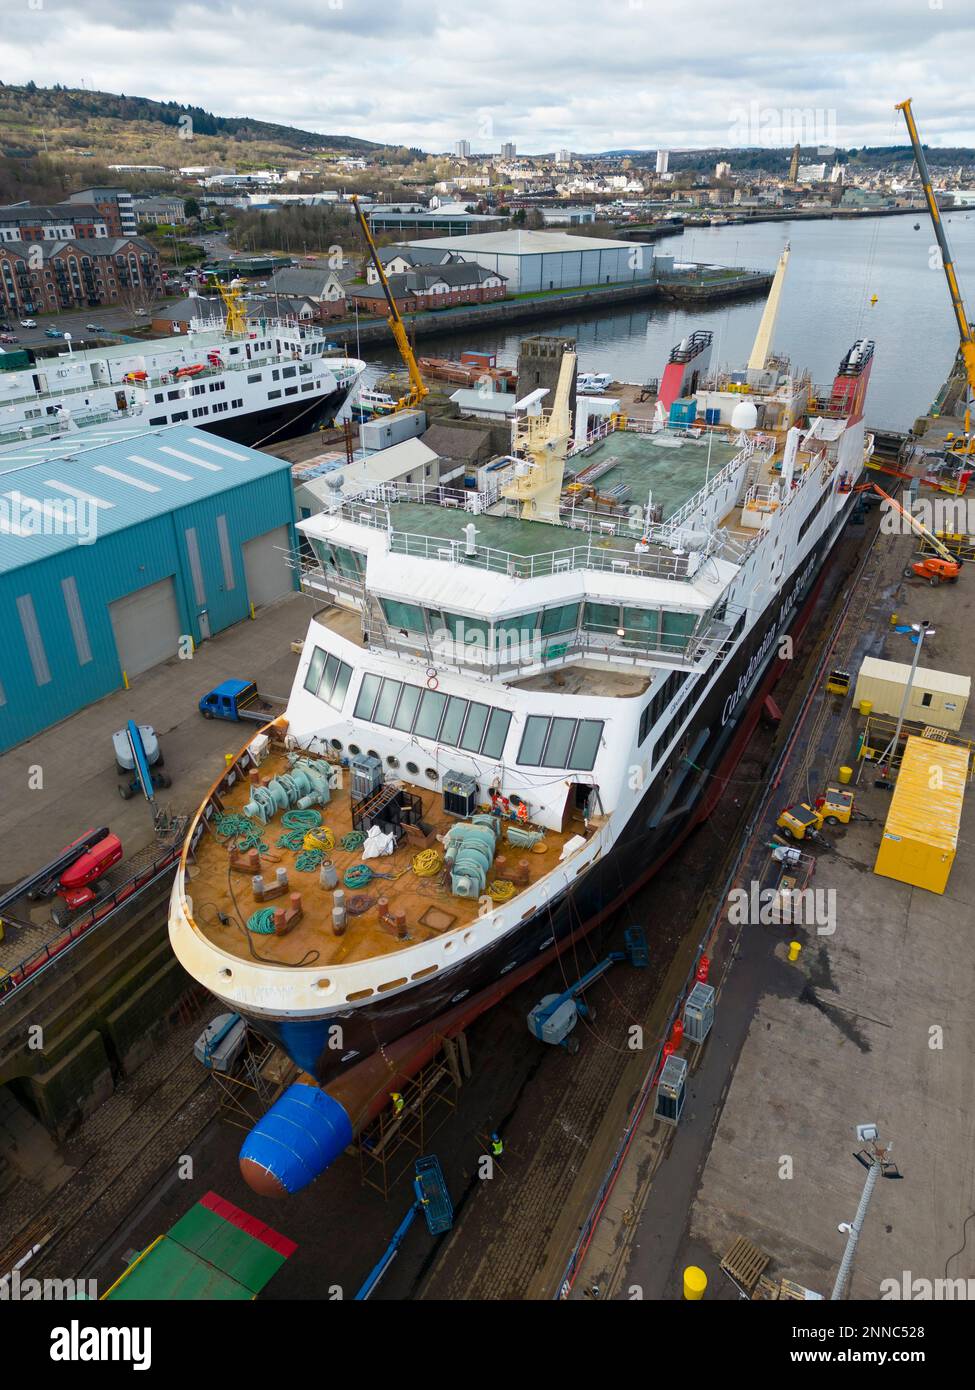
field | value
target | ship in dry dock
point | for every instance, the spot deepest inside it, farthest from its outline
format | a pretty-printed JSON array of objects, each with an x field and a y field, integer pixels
[{"x": 526, "y": 696}]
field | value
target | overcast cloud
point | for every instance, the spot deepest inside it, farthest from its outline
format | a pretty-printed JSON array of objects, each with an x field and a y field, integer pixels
[{"x": 542, "y": 73}]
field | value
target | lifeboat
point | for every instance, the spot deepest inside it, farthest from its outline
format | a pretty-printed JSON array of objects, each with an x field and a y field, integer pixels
[
  {"x": 194, "y": 370},
  {"x": 136, "y": 376}
]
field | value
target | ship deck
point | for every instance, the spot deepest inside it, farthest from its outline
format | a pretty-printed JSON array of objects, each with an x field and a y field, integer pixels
[
  {"x": 214, "y": 889},
  {"x": 671, "y": 472},
  {"x": 670, "y": 467}
]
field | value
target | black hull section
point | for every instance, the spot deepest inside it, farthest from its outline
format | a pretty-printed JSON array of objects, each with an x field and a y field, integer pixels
[
  {"x": 281, "y": 422},
  {"x": 672, "y": 805}
]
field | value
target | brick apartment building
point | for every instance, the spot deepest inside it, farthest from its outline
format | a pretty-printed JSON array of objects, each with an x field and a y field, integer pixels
[
  {"x": 41, "y": 276},
  {"x": 61, "y": 222},
  {"x": 435, "y": 287}
]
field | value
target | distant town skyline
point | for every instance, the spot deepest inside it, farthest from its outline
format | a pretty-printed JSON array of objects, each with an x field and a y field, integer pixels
[{"x": 549, "y": 77}]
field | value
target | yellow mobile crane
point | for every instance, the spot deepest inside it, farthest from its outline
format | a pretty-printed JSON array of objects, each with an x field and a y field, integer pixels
[
  {"x": 966, "y": 337},
  {"x": 418, "y": 387}
]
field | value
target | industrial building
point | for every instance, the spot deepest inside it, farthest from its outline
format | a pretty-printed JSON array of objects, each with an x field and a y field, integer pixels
[
  {"x": 113, "y": 556},
  {"x": 551, "y": 260}
]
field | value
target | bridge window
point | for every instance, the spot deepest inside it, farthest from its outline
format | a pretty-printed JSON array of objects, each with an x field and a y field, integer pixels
[{"x": 568, "y": 743}]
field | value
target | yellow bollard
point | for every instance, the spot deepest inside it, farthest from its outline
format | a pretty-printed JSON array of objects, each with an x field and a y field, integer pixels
[
  {"x": 893, "y": 619},
  {"x": 695, "y": 1282},
  {"x": 846, "y": 773},
  {"x": 866, "y": 708},
  {"x": 794, "y": 948},
  {"x": 125, "y": 679},
  {"x": 228, "y": 759}
]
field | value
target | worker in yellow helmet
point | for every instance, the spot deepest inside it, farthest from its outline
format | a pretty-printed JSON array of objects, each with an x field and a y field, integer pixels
[
  {"x": 497, "y": 1147},
  {"x": 398, "y": 1102}
]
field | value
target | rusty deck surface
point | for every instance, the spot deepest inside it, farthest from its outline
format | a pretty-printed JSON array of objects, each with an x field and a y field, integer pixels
[{"x": 215, "y": 890}]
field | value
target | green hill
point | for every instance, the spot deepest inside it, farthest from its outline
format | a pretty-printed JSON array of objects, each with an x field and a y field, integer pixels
[{"x": 55, "y": 139}]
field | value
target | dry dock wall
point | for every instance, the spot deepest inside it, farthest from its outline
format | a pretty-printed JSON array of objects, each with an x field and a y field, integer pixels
[{"x": 100, "y": 1011}]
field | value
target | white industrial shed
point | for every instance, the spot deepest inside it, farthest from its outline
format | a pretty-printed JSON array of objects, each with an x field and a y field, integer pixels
[{"x": 551, "y": 260}]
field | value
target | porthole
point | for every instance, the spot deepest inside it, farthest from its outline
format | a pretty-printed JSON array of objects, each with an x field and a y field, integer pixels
[
  {"x": 412, "y": 769},
  {"x": 373, "y": 754},
  {"x": 337, "y": 744},
  {"x": 354, "y": 749},
  {"x": 432, "y": 774},
  {"x": 392, "y": 762}
]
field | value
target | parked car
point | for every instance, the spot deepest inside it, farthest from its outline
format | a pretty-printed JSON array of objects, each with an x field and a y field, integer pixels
[
  {"x": 9, "y": 338},
  {"x": 53, "y": 333},
  {"x": 92, "y": 328},
  {"x": 28, "y": 323},
  {"x": 141, "y": 313},
  {"x": 6, "y": 327}
]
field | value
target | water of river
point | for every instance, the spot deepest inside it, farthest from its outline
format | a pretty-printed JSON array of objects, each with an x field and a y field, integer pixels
[{"x": 835, "y": 269}]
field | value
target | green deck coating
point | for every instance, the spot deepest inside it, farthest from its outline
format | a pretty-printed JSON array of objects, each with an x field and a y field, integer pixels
[
  {"x": 671, "y": 474},
  {"x": 508, "y": 533}
]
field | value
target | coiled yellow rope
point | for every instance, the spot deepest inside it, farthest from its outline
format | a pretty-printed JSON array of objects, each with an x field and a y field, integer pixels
[
  {"x": 319, "y": 839},
  {"x": 427, "y": 863},
  {"x": 501, "y": 890}
]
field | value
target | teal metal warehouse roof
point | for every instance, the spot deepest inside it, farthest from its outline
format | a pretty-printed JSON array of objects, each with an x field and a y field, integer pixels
[{"x": 91, "y": 490}]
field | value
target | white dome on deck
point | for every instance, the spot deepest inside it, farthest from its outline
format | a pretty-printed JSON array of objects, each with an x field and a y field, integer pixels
[{"x": 744, "y": 416}]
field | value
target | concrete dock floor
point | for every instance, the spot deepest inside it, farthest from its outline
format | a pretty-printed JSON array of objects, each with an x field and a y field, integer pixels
[{"x": 873, "y": 1023}]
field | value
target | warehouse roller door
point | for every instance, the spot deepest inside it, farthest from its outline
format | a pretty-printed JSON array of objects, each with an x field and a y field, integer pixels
[
  {"x": 266, "y": 567},
  {"x": 146, "y": 626}
]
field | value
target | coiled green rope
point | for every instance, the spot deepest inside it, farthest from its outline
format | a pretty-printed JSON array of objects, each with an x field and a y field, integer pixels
[
  {"x": 301, "y": 820},
  {"x": 357, "y": 876},
  {"x": 232, "y": 826},
  {"x": 354, "y": 840},
  {"x": 294, "y": 839},
  {"x": 309, "y": 860},
  {"x": 261, "y": 922}
]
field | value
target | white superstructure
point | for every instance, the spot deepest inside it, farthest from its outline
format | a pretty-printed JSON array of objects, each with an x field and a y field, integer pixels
[{"x": 206, "y": 377}]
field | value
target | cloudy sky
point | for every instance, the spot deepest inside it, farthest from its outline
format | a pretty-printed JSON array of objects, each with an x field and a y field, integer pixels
[{"x": 542, "y": 73}]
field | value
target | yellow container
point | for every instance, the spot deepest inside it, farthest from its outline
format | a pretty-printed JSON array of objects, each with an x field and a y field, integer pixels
[
  {"x": 921, "y": 834},
  {"x": 866, "y": 707},
  {"x": 695, "y": 1282},
  {"x": 846, "y": 773}
]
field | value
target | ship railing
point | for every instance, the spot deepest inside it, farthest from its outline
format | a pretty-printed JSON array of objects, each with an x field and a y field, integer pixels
[
  {"x": 727, "y": 477},
  {"x": 318, "y": 579},
  {"x": 384, "y": 495},
  {"x": 503, "y": 657},
  {"x": 38, "y": 429},
  {"x": 650, "y": 564}
]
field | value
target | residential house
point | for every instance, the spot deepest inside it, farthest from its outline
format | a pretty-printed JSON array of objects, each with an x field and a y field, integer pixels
[
  {"x": 325, "y": 288},
  {"x": 435, "y": 287}
]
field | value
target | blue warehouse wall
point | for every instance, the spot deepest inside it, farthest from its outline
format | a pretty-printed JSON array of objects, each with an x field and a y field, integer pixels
[{"x": 118, "y": 564}]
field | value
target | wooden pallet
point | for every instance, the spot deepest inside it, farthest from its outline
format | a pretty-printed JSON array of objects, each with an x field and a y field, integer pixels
[{"x": 745, "y": 1264}]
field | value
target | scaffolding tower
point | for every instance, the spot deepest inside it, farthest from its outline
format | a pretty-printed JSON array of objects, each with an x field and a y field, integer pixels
[{"x": 391, "y": 1143}]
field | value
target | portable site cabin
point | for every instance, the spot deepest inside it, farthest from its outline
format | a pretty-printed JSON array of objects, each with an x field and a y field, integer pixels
[
  {"x": 938, "y": 698},
  {"x": 921, "y": 834}
]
